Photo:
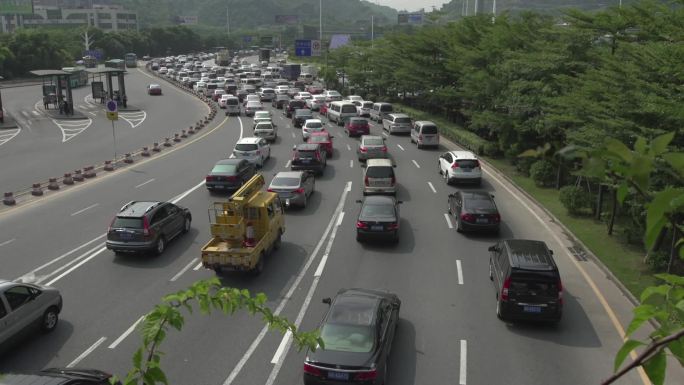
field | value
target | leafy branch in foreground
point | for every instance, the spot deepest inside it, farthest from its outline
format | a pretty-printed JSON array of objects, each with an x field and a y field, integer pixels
[{"x": 209, "y": 295}]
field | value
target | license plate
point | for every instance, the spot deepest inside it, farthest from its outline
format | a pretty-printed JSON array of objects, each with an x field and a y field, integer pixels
[
  {"x": 467, "y": 170},
  {"x": 482, "y": 220},
  {"x": 126, "y": 235},
  {"x": 377, "y": 228},
  {"x": 532, "y": 309},
  {"x": 338, "y": 376},
  {"x": 304, "y": 160}
]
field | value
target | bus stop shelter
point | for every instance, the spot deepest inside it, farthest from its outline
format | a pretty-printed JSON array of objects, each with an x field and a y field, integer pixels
[
  {"x": 55, "y": 82},
  {"x": 100, "y": 93}
]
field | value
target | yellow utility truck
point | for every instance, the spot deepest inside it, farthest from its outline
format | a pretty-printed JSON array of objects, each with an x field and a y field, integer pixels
[{"x": 244, "y": 229}]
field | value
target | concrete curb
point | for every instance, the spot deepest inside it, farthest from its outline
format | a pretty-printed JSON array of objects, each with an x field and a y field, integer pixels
[{"x": 450, "y": 145}]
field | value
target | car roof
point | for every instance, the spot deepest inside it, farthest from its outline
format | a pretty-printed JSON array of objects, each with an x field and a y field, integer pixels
[
  {"x": 475, "y": 194},
  {"x": 249, "y": 140},
  {"x": 378, "y": 162},
  {"x": 424, "y": 123},
  {"x": 313, "y": 121},
  {"x": 289, "y": 174},
  {"x": 137, "y": 208},
  {"x": 379, "y": 199},
  {"x": 232, "y": 161},
  {"x": 463, "y": 154},
  {"x": 529, "y": 254}
]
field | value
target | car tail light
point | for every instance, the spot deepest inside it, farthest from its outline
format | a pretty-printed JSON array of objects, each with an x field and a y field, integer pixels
[
  {"x": 366, "y": 375},
  {"x": 384, "y": 149},
  {"x": 455, "y": 165},
  {"x": 560, "y": 292},
  {"x": 361, "y": 225},
  {"x": 294, "y": 155},
  {"x": 318, "y": 156},
  {"x": 420, "y": 137},
  {"x": 209, "y": 178},
  {"x": 312, "y": 370},
  {"x": 147, "y": 231},
  {"x": 468, "y": 217},
  {"x": 477, "y": 164},
  {"x": 394, "y": 180},
  {"x": 365, "y": 180},
  {"x": 363, "y": 149},
  {"x": 269, "y": 189},
  {"x": 497, "y": 218},
  {"x": 504, "y": 289},
  {"x": 393, "y": 226},
  {"x": 300, "y": 190}
]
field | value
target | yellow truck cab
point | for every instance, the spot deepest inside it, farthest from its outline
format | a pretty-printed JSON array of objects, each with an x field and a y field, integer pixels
[{"x": 244, "y": 229}]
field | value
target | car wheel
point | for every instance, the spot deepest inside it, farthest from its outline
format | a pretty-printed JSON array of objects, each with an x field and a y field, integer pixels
[
  {"x": 446, "y": 177},
  {"x": 448, "y": 208},
  {"x": 186, "y": 224},
  {"x": 499, "y": 315},
  {"x": 439, "y": 168},
  {"x": 50, "y": 319},
  {"x": 259, "y": 268},
  {"x": 359, "y": 238},
  {"x": 305, "y": 201},
  {"x": 458, "y": 226},
  {"x": 160, "y": 246}
]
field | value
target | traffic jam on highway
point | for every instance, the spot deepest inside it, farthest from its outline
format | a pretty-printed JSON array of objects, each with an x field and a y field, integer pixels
[{"x": 257, "y": 201}]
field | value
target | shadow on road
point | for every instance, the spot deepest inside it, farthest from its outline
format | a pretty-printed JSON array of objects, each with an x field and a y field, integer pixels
[
  {"x": 402, "y": 365},
  {"x": 33, "y": 350}
]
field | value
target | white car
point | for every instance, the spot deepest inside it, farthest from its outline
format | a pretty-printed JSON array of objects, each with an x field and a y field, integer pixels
[
  {"x": 222, "y": 101},
  {"x": 460, "y": 166},
  {"x": 311, "y": 125},
  {"x": 262, "y": 116},
  {"x": 315, "y": 102},
  {"x": 354, "y": 98},
  {"x": 282, "y": 90},
  {"x": 267, "y": 94},
  {"x": 332, "y": 96},
  {"x": 163, "y": 70},
  {"x": 251, "y": 98},
  {"x": 266, "y": 130},
  {"x": 303, "y": 95},
  {"x": 254, "y": 150}
]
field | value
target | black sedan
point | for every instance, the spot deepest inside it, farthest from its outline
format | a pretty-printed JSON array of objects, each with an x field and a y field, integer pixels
[
  {"x": 300, "y": 116},
  {"x": 229, "y": 174},
  {"x": 357, "y": 333},
  {"x": 378, "y": 219},
  {"x": 292, "y": 105},
  {"x": 474, "y": 211}
]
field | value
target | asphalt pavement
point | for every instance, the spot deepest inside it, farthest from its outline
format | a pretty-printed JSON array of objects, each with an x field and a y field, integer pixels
[{"x": 448, "y": 331}]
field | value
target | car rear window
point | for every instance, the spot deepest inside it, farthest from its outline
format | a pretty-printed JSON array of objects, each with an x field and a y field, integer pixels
[
  {"x": 347, "y": 338},
  {"x": 481, "y": 204},
  {"x": 314, "y": 125},
  {"x": 429, "y": 130},
  {"x": 386, "y": 108},
  {"x": 305, "y": 154},
  {"x": 285, "y": 181},
  {"x": 224, "y": 168},
  {"x": 468, "y": 163},
  {"x": 358, "y": 122},
  {"x": 262, "y": 126},
  {"x": 348, "y": 109},
  {"x": 379, "y": 172},
  {"x": 383, "y": 211},
  {"x": 533, "y": 285},
  {"x": 232, "y": 102},
  {"x": 367, "y": 104},
  {"x": 128, "y": 223},
  {"x": 246, "y": 147},
  {"x": 373, "y": 142},
  {"x": 402, "y": 120}
]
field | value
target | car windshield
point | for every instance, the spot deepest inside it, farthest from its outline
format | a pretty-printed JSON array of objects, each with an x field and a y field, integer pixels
[
  {"x": 314, "y": 125},
  {"x": 224, "y": 168},
  {"x": 373, "y": 142},
  {"x": 377, "y": 211},
  {"x": 347, "y": 337},
  {"x": 246, "y": 147},
  {"x": 128, "y": 223},
  {"x": 285, "y": 181}
]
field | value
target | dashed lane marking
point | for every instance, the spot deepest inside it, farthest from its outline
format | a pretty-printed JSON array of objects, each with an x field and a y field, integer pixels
[
  {"x": 348, "y": 148},
  {"x": 87, "y": 352},
  {"x": 415, "y": 163},
  {"x": 448, "y": 220},
  {"x": 432, "y": 187},
  {"x": 72, "y": 128},
  {"x": 459, "y": 271},
  {"x": 401, "y": 148}
]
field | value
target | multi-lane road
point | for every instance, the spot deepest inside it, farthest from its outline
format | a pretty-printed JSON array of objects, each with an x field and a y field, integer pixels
[{"x": 448, "y": 332}]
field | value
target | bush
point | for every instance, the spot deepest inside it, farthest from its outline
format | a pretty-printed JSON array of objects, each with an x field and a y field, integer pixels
[
  {"x": 658, "y": 260},
  {"x": 542, "y": 172},
  {"x": 574, "y": 199}
]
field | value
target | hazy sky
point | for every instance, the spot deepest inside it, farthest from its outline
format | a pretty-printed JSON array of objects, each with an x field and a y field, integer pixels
[{"x": 411, "y": 5}]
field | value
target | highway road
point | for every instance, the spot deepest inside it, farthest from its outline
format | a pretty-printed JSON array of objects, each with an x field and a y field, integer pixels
[
  {"x": 448, "y": 332},
  {"x": 42, "y": 147}
]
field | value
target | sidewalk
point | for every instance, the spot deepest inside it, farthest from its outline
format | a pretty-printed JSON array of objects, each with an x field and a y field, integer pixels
[{"x": 9, "y": 122}]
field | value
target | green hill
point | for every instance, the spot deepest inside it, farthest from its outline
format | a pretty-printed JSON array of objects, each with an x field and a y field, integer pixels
[{"x": 455, "y": 7}]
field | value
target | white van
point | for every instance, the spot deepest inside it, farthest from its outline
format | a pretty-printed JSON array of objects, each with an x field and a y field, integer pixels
[
  {"x": 425, "y": 133},
  {"x": 339, "y": 111},
  {"x": 379, "y": 178},
  {"x": 380, "y": 111},
  {"x": 232, "y": 104},
  {"x": 201, "y": 87}
]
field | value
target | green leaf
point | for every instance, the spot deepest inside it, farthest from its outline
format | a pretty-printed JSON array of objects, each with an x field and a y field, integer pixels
[
  {"x": 137, "y": 358},
  {"x": 660, "y": 143},
  {"x": 662, "y": 290},
  {"x": 624, "y": 351},
  {"x": 655, "y": 368},
  {"x": 622, "y": 192},
  {"x": 671, "y": 279},
  {"x": 642, "y": 313},
  {"x": 619, "y": 149},
  {"x": 640, "y": 145},
  {"x": 676, "y": 160},
  {"x": 677, "y": 349},
  {"x": 157, "y": 374},
  {"x": 653, "y": 230}
]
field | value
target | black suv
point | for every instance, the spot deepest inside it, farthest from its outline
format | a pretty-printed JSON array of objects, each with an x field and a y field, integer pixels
[
  {"x": 526, "y": 281},
  {"x": 300, "y": 116},
  {"x": 56, "y": 376},
  {"x": 308, "y": 157},
  {"x": 147, "y": 226},
  {"x": 292, "y": 105}
]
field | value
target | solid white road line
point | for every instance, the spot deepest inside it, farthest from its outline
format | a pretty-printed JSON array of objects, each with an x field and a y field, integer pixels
[
  {"x": 348, "y": 148},
  {"x": 126, "y": 333},
  {"x": 83, "y": 262},
  {"x": 183, "y": 195},
  {"x": 293, "y": 134},
  {"x": 35, "y": 113},
  {"x": 415, "y": 163},
  {"x": 25, "y": 114},
  {"x": 83, "y": 210},
  {"x": 401, "y": 148},
  {"x": 92, "y": 113},
  {"x": 324, "y": 259},
  {"x": 199, "y": 266},
  {"x": 432, "y": 187},
  {"x": 144, "y": 183},
  {"x": 32, "y": 276},
  {"x": 446, "y": 216},
  {"x": 248, "y": 354},
  {"x": 68, "y": 253},
  {"x": 7, "y": 242},
  {"x": 186, "y": 268},
  {"x": 287, "y": 165},
  {"x": 88, "y": 351},
  {"x": 241, "y": 128},
  {"x": 351, "y": 163},
  {"x": 459, "y": 271},
  {"x": 464, "y": 361}
]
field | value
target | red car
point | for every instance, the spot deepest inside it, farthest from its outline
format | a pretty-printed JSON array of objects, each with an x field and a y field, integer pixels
[
  {"x": 154, "y": 89},
  {"x": 323, "y": 110},
  {"x": 357, "y": 127},
  {"x": 314, "y": 90},
  {"x": 323, "y": 139}
]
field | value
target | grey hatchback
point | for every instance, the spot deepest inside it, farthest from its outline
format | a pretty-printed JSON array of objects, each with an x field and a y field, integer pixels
[
  {"x": 147, "y": 226},
  {"x": 293, "y": 187},
  {"x": 24, "y": 305}
]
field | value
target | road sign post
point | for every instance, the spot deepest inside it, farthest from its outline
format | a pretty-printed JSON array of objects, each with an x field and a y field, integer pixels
[
  {"x": 113, "y": 114},
  {"x": 302, "y": 47}
]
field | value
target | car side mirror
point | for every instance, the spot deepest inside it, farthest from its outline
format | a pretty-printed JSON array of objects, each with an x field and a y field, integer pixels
[
  {"x": 327, "y": 300},
  {"x": 394, "y": 165},
  {"x": 491, "y": 195},
  {"x": 331, "y": 137},
  {"x": 551, "y": 252}
]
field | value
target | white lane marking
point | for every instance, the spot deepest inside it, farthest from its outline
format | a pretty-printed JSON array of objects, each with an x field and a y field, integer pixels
[
  {"x": 415, "y": 163},
  {"x": 285, "y": 344},
  {"x": 31, "y": 274},
  {"x": 287, "y": 165},
  {"x": 401, "y": 148},
  {"x": 71, "y": 129},
  {"x": 183, "y": 195},
  {"x": 199, "y": 266},
  {"x": 35, "y": 113},
  {"x": 26, "y": 114},
  {"x": 432, "y": 187},
  {"x": 348, "y": 148},
  {"x": 241, "y": 127},
  {"x": 464, "y": 362},
  {"x": 448, "y": 219},
  {"x": 246, "y": 356},
  {"x": 92, "y": 113},
  {"x": 293, "y": 134},
  {"x": 85, "y": 209},
  {"x": 7, "y": 135},
  {"x": 125, "y": 334},
  {"x": 351, "y": 163},
  {"x": 287, "y": 126},
  {"x": 133, "y": 118},
  {"x": 7, "y": 242},
  {"x": 30, "y": 122},
  {"x": 88, "y": 351},
  {"x": 81, "y": 106},
  {"x": 460, "y": 272},
  {"x": 144, "y": 183},
  {"x": 186, "y": 268},
  {"x": 83, "y": 262}
]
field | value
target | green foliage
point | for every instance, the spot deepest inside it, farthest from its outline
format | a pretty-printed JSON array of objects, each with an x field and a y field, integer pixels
[
  {"x": 542, "y": 172},
  {"x": 209, "y": 296},
  {"x": 574, "y": 198}
]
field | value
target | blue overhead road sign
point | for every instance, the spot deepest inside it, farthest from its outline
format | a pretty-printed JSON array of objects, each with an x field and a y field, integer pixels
[{"x": 302, "y": 47}]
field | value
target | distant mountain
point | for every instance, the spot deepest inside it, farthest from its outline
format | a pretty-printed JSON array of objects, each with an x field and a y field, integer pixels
[
  {"x": 254, "y": 14},
  {"x": 456, "y": 7}
]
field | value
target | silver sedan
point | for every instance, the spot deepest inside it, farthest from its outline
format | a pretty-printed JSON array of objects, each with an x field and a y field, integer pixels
[
  {"x": 293, "y": 187},
  {"x": 371, "y": 147},
  {"x": 24, "y": 305}
]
